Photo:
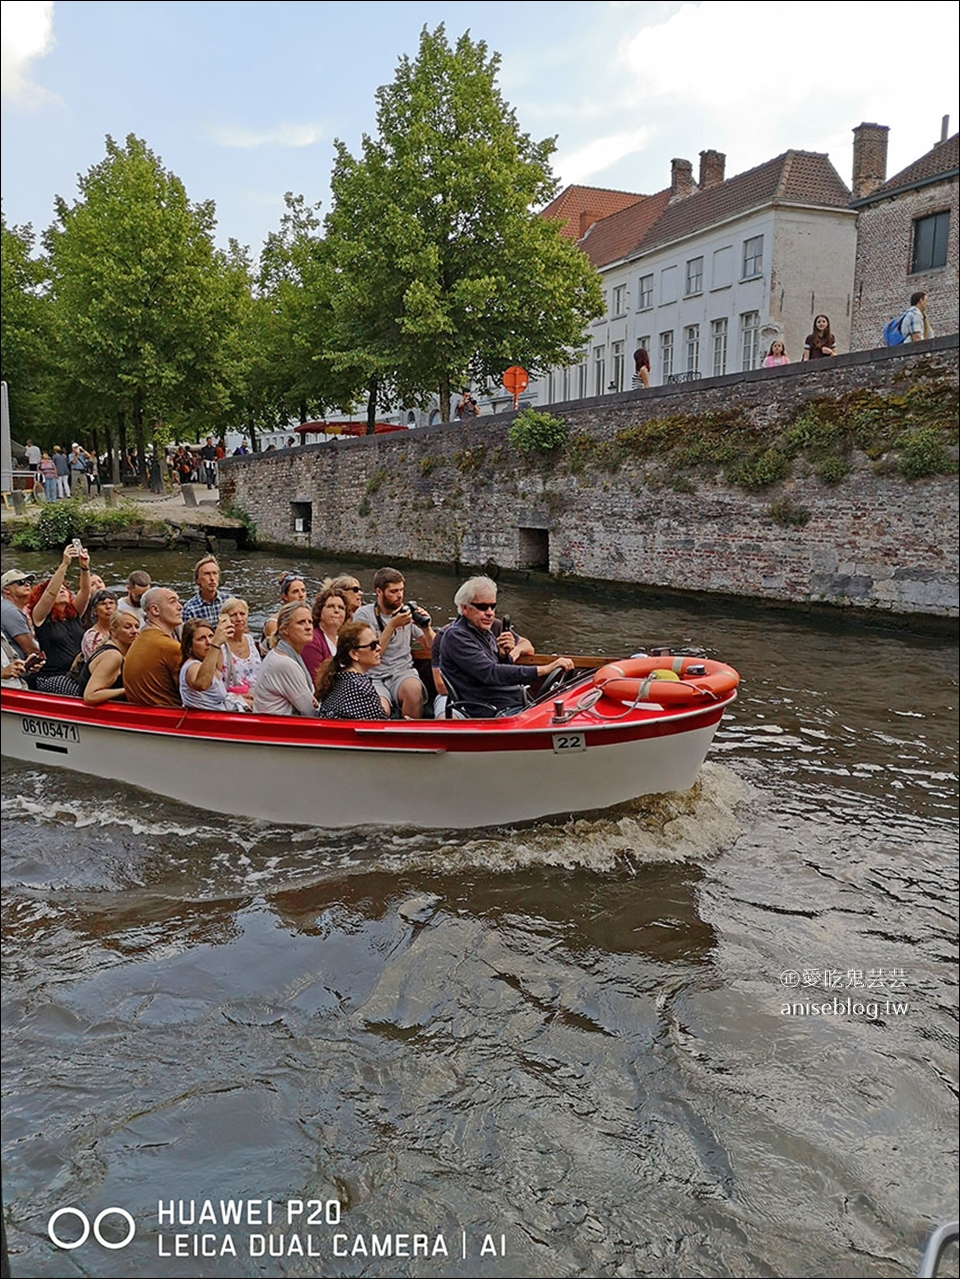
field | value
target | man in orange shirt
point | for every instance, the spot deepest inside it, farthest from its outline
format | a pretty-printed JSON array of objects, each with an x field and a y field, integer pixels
[{"x": 151, "y": 669}]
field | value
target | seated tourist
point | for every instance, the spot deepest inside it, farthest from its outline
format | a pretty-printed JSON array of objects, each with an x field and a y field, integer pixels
[
  {"x": 56, "y": 615},
  {"x": 15, "y": 588},
  {"x": 241, "y": 657},
  {"x": 138, "y": 583},
  {"x": 293, "y": 590},
  {"x": 472, "y": 663},
  {"x": 344, "y": 686},
  {"x": 14, "y": 666},
  {"x": 397, "y": 680},
  {"x": 349, "y": 588},
  {"x": 151, "y": 671},
  {"x": 102, "y": 607},
  {"x": 208, "y": 599},
  {"x": 102, "y": 677},
  {"x": 202, "y": 685},
  {"x": 284, "y": 686},
  {"x": 329, "y": 614}
]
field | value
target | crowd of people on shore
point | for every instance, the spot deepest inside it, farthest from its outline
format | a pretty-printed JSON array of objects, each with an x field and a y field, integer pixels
[{"x": 336, "y": 657}]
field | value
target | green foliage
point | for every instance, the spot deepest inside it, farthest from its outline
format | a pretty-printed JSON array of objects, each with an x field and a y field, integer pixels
[
  {"x": 144, "y": 303},
  {"x": 922, "y": 452},
  {"x": 469, "y": 461},
  {"x": 915, "y": 428},
  {"x": 429, "y": 464},
  {"x": 788, "y": 513},
  {"x": 533, "y": 431},
  {"x": 833, "y": 468},
  {"x": 444, "y": 269},
  {"x": 376, "y": 481},
  {"x": 244, "y": 517},
  {"x": 26, "y": 325},
  {"x": 60, "y": 522}
]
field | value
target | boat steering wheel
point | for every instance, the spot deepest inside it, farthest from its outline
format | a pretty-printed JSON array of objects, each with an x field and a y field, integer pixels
[{"x": 551, "y": 682}]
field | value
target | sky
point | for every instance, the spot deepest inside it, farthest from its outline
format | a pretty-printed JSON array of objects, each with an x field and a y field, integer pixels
[{"x": 243, "y": 100}]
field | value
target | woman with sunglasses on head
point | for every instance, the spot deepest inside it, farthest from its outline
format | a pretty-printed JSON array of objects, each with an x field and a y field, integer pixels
[
  {"x": 293, "y": 590},
  {"x": 344, "y": 686},
  {"x": 349, "y": 588}
]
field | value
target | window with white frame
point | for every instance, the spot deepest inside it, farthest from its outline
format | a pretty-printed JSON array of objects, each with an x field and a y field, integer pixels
[
  {"x": 583, "y": 377},
  {"x": 599, "y": 370},
  {"x": 616, "y": 352},
  {"x": 645, "y": 293},
  {"x": 749, "y": 340},
  {"x": 666, "y": 355},
  {"x": 691, "y": 348},
  {"x": 620, "y": 299},
  {"x": 668, "y": 284},
  {"x": 565, "y": 382},
  {"x": 718, "y": 338},
  {"x": 552, "y": 387},
  {"x": 752, "y": 264},
  {"x": 694, "y": 281}
]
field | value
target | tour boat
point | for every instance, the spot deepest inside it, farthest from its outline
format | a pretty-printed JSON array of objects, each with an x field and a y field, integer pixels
[{"x": 576, "y": 750}]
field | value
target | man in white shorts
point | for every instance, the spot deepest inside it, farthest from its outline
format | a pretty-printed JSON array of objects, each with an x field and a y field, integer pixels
[{"x": 396, "y": 678}]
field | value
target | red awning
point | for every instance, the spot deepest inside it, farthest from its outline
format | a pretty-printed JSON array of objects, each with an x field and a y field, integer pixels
[{"x": 346, "y": 428}]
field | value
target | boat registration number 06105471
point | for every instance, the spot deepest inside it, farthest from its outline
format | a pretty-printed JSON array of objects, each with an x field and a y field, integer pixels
[
  {"x": 50, "y": 729},
  {"x": 563, "y": 742}
]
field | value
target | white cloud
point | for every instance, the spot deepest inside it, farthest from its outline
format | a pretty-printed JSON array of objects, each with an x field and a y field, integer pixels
[
  {"x": 600, "y": 154},
  {"x": 281, "y": 135},
  {"x": 26, "y": 33}
]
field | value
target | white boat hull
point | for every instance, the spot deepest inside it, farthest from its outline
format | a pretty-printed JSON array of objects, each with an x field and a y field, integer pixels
[{"x": 456, "y": 774}]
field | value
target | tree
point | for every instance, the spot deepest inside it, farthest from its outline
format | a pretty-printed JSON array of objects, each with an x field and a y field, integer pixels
[
  {"x": 25, "y": 329},
  {"x": 143, "y": 299},
  {"x": 444, "y": 270},
  {"x": 299, "y": 367}
]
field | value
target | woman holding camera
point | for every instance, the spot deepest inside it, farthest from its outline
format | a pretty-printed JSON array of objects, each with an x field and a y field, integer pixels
[{"x": 56, "y": 615}]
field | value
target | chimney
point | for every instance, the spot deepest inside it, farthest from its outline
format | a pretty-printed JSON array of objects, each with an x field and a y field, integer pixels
[
  {"x": 869, "y": 158},
  {"x": 944, "y": 128},
  {"x": 681, "y": 180},
  {"x": 712, "y": 165},
  {"x": 586, "y": 222}
]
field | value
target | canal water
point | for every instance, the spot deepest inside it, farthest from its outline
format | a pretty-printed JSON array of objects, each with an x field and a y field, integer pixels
[{"x": 705, "y": 1034}]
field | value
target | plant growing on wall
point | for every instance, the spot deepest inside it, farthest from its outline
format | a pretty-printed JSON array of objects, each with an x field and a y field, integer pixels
[{"x": 535, "y": 432}]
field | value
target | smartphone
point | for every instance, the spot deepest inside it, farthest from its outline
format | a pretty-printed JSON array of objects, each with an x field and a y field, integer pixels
[
  {"x": 33, "y": 661},
  {"x": 77, "y": 544}
]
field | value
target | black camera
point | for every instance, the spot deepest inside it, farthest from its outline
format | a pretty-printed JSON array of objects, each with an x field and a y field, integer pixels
[{"x": 421, "y": 618}]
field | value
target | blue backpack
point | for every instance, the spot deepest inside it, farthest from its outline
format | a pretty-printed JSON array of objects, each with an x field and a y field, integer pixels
[{"x": 891, "y": 331}]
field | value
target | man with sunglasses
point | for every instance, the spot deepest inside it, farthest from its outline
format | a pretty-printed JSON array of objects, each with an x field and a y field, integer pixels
[{"x": 474, "y": 664}]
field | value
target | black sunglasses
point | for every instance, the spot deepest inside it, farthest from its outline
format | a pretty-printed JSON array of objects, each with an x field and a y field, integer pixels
[
  {"x": 372, "y": 644},
  {"x": 485, "y": 608}
]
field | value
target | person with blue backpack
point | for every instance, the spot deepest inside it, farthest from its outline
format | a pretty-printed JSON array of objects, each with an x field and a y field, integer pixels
[{"x": 912, "y": 326}]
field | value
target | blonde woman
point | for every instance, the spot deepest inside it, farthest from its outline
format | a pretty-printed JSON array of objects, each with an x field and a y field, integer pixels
[{"x": 241, "y": 657}]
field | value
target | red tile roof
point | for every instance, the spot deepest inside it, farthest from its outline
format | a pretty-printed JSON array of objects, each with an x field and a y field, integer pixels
[
  {"x": 938, "y": 161},
  {"x": 615, "y": 237},
  {"x": 796, "y": 177},
  {"x": 580, "y": 206}
]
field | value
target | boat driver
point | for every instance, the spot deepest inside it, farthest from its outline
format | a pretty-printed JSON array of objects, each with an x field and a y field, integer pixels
[{"x": 474, "y": 666}]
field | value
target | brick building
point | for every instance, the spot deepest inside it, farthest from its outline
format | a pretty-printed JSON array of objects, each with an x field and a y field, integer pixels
[{"x": 906, "y": 236}]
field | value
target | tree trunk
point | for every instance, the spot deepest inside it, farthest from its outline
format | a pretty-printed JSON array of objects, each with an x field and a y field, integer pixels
[
  {"x": 122, "y": 436},
  {"x": 372, "y": 405},
  {"x": 141, "y": 443},
  {"x": 252, "y": 434},
  {"x": 445, "y": 399}
]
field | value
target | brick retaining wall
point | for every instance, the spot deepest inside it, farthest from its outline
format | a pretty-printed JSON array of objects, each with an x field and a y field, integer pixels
[{"x": 461, "y": 494}]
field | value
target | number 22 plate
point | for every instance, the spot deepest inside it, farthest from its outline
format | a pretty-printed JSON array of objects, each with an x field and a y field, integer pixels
[{"x": 563, "y": 742}]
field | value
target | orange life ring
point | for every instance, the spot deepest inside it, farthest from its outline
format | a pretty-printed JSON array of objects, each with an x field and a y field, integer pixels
[{"x": 632, "y": 680}]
